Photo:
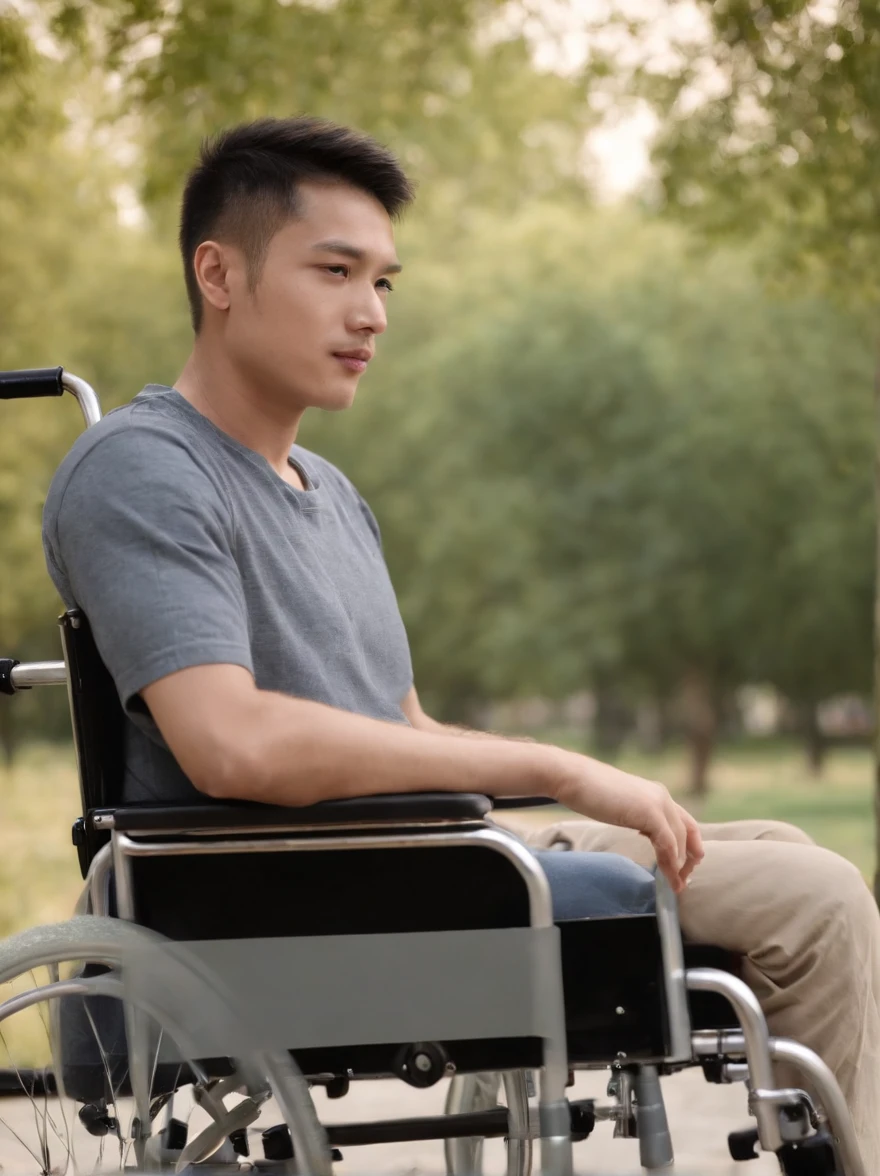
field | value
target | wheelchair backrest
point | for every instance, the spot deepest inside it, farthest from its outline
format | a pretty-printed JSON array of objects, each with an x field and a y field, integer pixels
[{"x": 98, "y": 730}]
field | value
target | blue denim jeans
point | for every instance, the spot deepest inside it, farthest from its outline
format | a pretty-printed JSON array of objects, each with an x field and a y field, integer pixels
[{"x": 595, "y": 885}]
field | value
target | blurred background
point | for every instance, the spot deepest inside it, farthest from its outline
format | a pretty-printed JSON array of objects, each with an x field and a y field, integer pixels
[{"x": 620, "y": 436}]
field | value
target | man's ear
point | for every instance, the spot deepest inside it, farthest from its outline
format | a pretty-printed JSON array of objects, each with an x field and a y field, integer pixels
[{"x": 211, "y": 264}]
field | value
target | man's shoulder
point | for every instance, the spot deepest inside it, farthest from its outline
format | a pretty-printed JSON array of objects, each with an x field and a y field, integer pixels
[
  {"x": 137, "y": 445},
  {"x": 146, "y": 427}
]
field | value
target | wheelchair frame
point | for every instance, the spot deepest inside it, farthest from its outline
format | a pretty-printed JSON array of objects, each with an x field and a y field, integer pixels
[{"x": 111, "y": 839}]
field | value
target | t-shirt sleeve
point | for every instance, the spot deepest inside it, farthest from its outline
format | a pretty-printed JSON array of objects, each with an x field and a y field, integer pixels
[{"x": 141, "y": 538}]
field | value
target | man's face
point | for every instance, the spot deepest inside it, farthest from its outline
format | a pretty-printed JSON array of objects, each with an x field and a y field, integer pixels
[{"x": 308, "y": 330}]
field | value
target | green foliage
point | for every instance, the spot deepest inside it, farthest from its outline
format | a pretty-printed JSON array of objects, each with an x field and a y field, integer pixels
[
  {"x": 18, "y": 99},
  {"x": 461, "y": 102},
  {"x": 771, "y": 129},
  {"x": 79, "y": 289},
  {"x": 595, "y": 454}
]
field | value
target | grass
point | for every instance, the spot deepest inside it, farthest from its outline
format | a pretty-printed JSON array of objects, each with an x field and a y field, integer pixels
[{"x": 39, "y": 875}]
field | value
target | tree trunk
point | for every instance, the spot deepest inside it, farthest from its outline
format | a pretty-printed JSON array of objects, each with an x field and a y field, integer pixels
[
  {"x": 877, "y": 634},
  {"x": 612, "y": 722},
  {"x": 815, "y": 744},
  {"x": 649, "y": 727},
  {"x": 701, "y": 721}
]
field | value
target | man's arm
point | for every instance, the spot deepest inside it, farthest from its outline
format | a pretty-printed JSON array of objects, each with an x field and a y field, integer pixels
[{"x": 235, "y": 741}]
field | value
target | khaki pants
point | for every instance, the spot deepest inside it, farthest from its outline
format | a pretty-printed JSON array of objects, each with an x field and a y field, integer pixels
[{"x": 807, "y": 926}]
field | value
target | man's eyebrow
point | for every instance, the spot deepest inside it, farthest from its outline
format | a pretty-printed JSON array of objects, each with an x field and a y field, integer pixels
[{"x": 354, "y": 253}]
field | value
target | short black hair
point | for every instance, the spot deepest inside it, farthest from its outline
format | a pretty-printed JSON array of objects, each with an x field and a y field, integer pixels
[{"x": 244, "y": 187}]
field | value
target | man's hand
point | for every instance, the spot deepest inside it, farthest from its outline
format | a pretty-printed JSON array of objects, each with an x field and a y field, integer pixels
[
  {"x": 604, "y": 793},
  {"x": 607, "y": 794}
]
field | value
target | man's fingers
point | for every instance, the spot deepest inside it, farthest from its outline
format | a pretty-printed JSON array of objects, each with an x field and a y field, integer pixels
[
  {"x": 679, "y": 830},
  {"x": 695, "y": 850},
  {"x": 667, "y": 854}
]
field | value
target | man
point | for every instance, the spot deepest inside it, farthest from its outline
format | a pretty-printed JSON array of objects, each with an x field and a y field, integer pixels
[{"x": 237, "y": 592}]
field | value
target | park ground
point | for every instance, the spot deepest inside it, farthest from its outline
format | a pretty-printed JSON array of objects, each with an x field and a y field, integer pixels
[{"x": 39, "y": 882}]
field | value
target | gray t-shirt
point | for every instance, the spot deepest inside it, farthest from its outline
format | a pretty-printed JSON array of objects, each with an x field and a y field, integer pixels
[{"x": 183, "y": 547}]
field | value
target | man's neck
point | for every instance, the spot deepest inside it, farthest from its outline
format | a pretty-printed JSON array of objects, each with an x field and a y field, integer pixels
[{"x": 219, "y": 393}]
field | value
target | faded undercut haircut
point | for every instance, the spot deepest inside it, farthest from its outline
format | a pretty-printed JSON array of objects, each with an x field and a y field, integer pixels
[{"x": 244, "y": 187}]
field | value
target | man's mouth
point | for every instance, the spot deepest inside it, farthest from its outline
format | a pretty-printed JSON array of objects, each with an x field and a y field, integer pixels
[{"x": 355, "y": 360}]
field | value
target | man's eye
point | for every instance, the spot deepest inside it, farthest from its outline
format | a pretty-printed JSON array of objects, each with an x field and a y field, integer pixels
[
  {"x": 385, "y": 284},
  {"x": 337, "y": 269}
]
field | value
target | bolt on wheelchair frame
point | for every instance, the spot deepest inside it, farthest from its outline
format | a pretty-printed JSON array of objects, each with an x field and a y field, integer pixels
[{"x": 745, "y": 1054}]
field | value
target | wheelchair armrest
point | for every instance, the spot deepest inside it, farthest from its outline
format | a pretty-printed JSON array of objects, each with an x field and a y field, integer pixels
[
  {"x": 405, "y": 809},
  {"x": 519, "y": 802}
]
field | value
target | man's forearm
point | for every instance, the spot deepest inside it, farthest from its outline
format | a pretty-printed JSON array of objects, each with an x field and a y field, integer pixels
[
  {"x": 291, "y": 751},
  {"x": 299, "y": 752}
]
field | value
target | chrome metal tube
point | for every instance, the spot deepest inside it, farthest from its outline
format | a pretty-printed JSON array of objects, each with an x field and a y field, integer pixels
[
  {"x": 137, "y": 1027},
  {"x": 757, "y": 1043},
  {"x": 830, "y": 1097},
  {"x": 85, "y": 394},
  {"x": 90, "y": 986},
  {"x": 655, "y": 1142},
  {"x": 707, "y": 1043},
  {"x": 673, "y": 967},
  {"x": 519, "y": 1142},
  {"x": 43, "y": 673},
  {"x": 98, "y": 880}
]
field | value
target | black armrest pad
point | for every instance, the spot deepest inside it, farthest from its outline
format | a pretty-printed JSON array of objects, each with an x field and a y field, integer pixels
[
  {"x": 408, "y": 808},
  {"x": 518, "y": 802}
]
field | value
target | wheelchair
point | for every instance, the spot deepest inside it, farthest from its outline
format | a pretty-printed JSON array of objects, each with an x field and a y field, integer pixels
[{"x": 255, "y": 952}]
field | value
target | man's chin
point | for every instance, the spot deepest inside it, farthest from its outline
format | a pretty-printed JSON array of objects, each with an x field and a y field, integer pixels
[{"x": 336, "y": 399}]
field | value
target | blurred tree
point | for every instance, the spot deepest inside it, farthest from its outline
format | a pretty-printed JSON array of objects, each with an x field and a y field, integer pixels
[
  {"x": 20, "y": 106},
  {"x": 79, "y": 289},
  {"x": 121, "y": 93},
  {"x": 449, "y": 82},
  {"x": 600, "y": 460},
  {"x": 770, "y": 129}
]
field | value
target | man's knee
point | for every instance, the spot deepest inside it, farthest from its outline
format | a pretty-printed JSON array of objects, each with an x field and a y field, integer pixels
[
  {"x": 783, "y": 831},
  {"x": 822, "y": 915},
  {"x": 756, "y": 829},
  {"x": 839, "y": 886}
]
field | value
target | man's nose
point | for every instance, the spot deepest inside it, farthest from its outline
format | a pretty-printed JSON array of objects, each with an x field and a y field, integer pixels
[{"x": 370, "y": 314}]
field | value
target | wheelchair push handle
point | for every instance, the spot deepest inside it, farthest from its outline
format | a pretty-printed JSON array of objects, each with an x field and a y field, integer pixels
[{"x": 30, "y": 382}]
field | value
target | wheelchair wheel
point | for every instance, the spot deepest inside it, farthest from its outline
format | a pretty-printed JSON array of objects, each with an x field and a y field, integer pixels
[
  {"x": 88, "y": 1084},
  {"x": 480, "y": 1092}
]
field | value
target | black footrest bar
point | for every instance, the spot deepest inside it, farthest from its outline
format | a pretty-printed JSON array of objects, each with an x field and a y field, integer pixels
[{"x": 491, "y": 1124}]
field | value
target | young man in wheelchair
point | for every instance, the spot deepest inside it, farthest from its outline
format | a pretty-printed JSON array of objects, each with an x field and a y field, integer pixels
[{"x": 237, "y": 592}]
